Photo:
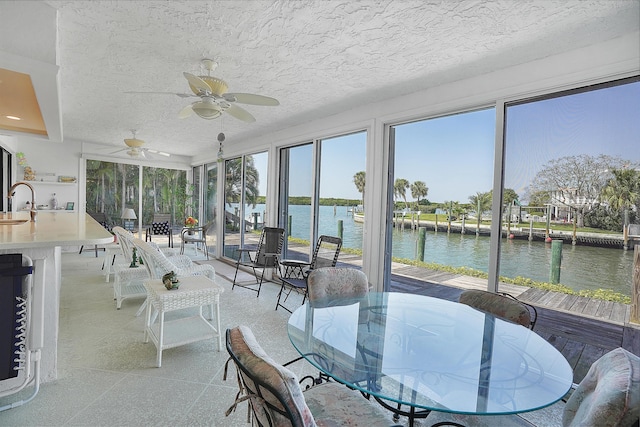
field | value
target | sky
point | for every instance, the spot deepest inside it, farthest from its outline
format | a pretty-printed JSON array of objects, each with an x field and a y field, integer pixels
[{"x": 454, "y": 155}]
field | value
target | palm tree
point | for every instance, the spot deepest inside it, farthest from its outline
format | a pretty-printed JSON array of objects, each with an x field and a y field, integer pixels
[
  {"x": 419, "y": 189},
  {"x": 359, "y": 181},
  {"x": 482, "y": 203},
  {"x": 400, "y": 189},
  {"x": 622, "y": 192}
]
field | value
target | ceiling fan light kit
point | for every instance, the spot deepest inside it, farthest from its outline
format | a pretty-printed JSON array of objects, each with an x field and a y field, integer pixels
[
  {"x": 207, "y": 109},
  {"x": 214, "y": 99},
  {"x": 136, "y": 148}
]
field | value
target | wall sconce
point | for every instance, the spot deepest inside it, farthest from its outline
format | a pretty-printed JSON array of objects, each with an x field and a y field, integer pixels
[{"x": 129, "y": 219}]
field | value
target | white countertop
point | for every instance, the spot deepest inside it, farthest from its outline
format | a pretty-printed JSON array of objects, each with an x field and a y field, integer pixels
[{"x": 51, "y": 229}]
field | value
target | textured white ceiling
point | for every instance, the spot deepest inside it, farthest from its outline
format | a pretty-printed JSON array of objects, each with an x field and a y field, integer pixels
[{"x": 317, "y": 58}]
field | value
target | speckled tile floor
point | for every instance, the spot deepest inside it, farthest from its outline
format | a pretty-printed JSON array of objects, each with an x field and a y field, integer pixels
[{"x": 107, "y": 375}]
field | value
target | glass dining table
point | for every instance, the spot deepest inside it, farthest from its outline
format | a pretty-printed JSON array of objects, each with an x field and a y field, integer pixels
[{"x": 415, "y": 354}]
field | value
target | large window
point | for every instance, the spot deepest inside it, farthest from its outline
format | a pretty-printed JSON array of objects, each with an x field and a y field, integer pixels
[
  {"x": 165, "y": 192},
  {"x": 442, "y": 180},
  {"x": 113, "y": 187},
  {"x": 572, "y": 163},
  {"x": 320, "y": 192}
]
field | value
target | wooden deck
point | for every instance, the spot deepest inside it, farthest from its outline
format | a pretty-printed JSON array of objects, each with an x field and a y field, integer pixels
[{"x": 582, "y": 329}]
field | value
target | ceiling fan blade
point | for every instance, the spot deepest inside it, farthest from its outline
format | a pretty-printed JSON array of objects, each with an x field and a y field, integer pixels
[
  {"x": 240, "y": 113},
  {"x": 185, "y": 112},
  {"x": 119, "y": 151},
  {"x": 162, "y": 153},
  {"x": 181, "y": 95},
  {"x": 197, "y": 82},
  {"x": 252, "y": 99}
]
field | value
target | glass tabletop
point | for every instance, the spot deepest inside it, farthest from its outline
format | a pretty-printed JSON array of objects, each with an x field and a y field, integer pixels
[{"x": 431, "y": 353}]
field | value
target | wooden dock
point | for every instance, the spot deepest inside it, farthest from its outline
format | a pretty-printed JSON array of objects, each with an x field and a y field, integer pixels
[{"x": 582, "y": 329}]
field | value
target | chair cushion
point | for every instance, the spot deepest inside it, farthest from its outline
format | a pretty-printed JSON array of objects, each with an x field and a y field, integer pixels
[
  {"x": 330, "y": 285},
  {"x": 333, "y": 404},
  {"x": 160, "y": 228},
  {"x": 498, "y": 305},
  {"x": 264, "y": 369},
  {"x": 609, "y": 395}
]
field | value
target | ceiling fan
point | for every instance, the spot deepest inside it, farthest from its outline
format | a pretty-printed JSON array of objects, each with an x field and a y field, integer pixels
[
  {"x": 214, "y": 98},
  {"x": 135, "y": 148}
]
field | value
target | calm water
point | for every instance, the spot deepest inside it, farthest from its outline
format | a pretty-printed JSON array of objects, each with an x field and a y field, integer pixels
[{"x": 583, "y": 267}]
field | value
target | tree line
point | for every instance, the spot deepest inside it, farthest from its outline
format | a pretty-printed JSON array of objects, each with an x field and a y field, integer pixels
[{"x": 601, "y": 191}]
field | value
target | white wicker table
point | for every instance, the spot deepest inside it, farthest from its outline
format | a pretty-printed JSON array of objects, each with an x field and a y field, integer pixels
[{"x": 194, "y": 291}]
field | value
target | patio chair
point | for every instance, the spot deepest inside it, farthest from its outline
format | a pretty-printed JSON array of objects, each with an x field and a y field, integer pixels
[
  {"x": 195, "y": 235},
  {"x": 296, "y": 273},
  {"x": 157, "y": 264},
  {"x": 160, "y": 226},
  {"x": 275, "y": 397},
  {"x": 128, "y": 282},
  {"x": 501, "y": 305},
  {"x": 266, "y": 256},
  {"x": 609, "y": 395}
]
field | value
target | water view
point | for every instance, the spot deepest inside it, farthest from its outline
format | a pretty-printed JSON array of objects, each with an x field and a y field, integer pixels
[{"x": 583, "y": 267}]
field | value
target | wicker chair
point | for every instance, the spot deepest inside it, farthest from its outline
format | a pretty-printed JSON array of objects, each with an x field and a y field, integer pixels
[
  {"x": 266, "y": 256},
  {"x": 325, "y": 254},
  {"x": 128, "y": 281},
  {"x": 158, "y": 265},
  {"x": 276, "y": 398}
]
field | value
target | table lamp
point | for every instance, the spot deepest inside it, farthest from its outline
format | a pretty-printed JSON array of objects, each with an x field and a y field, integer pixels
[{"x": 129, "y": 217}]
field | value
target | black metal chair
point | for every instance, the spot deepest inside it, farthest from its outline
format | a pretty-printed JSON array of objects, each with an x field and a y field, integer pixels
[
  {"x": 275, "y": 397},
  {"x": 296, "y": 273},
  {"x": 502, "y": 305},
  {"x": 266, "y": 256},
  {"x": 160, "y": 226}
]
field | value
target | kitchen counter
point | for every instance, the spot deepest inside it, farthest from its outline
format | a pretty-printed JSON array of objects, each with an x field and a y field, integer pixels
[
  {"x": 42, "y": 241},
  {"x": 51, "y": 229}
]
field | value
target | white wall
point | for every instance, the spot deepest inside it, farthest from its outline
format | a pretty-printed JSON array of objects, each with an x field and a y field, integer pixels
[{"x": 47, "y": 158}]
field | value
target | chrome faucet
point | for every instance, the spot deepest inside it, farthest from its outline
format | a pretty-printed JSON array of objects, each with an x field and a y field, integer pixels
[{"x": 12, "y": 192}]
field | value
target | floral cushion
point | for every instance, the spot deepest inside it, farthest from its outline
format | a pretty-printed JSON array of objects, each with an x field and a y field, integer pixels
[
  {"x": 249, "y": 353},
  {"x": 335, "y": 405},
  {"x": 160, "y": 228},
  {"x": 498, "y": 305},
  {"x": 609, "y": 395}
]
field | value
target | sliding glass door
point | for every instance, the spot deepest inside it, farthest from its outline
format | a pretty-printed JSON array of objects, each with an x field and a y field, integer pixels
[{"x": 245, "y": 190}]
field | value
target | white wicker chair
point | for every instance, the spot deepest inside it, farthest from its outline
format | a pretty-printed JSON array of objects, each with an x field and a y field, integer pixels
[
  {"x": 158, "y": 265},
  {"x": 128, "y": 282}
]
